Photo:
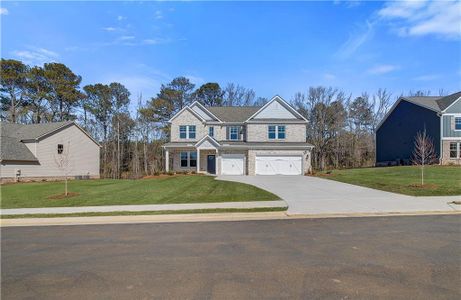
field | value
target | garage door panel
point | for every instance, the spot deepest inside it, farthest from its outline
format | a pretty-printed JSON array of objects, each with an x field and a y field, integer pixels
[
  {"x": 232, "y": 165},
  {"x": 278, "y": 165}
]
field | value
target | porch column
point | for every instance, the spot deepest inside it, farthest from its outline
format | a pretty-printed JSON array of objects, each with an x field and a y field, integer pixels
[
  {"x": 198, "y": 160},
  {"x": 167, "y": 160}
]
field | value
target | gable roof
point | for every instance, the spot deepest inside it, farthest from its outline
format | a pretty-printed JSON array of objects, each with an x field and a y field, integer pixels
[
  {"x": 13, "y": 135},
  {"x": 237, "y": 114},
  {"x": 283, "y": 103},
  {"x": 434, "y": 103},
  {"x": 447, "y": 101},
  {"x": 426, "y": 101}
]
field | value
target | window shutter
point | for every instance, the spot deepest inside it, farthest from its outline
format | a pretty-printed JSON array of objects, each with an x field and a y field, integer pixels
[
  {"x": 452, "y": 122},
  {"x": 227, "y": 132}
]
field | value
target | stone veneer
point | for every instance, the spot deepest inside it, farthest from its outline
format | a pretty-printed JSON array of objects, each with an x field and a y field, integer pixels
[{"x": 446, "y": 160}]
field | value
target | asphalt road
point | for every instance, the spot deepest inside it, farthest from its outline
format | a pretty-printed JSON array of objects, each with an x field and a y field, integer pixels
[{"x": 346, "y": 258}]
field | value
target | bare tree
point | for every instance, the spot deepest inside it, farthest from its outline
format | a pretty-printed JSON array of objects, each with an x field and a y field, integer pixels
[
  {"x": 62, "y": 160},
  {"x": 424, "y": 152}
]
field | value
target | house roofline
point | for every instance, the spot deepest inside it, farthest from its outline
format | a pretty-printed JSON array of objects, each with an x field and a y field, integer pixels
[
  {"x": 286, "y": 104},
  {"x": 443, "y": 111},
  {"x": 395, "y": 105}
]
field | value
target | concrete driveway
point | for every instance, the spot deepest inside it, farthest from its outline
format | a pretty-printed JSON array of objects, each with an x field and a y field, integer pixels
[{"x": 312, "y": 195}]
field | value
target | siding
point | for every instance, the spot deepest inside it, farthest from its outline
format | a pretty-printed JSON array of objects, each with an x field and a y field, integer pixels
[
  {"x": 275, "y": 110},
  {"x": 455, "y": 108},
  {"x": 293, "y": 133},
  {"x": 448, "y": 124},
  {"x": 395, "y": 138},
  {"x": 83, "y": 157}
]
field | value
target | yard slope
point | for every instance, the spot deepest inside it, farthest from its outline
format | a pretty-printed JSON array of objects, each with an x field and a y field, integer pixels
[
  {"x": 439, "y": 180},
  {"x": 162, "y": 190}
]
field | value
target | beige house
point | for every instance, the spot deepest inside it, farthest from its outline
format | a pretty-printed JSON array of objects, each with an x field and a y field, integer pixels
[
  {"x": 267, "y": 140},
  {"x": 47, "y": 151}
]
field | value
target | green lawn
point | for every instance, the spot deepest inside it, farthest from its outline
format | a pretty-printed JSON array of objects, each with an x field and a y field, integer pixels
[
  {"x": 439, "y": 180},
  {"x": 173, "y": 189}
]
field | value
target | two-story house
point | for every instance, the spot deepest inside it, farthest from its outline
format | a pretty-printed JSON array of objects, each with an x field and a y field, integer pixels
[
  {"x": 267, "y": 140},
  {"x": 439, "y": 116}
]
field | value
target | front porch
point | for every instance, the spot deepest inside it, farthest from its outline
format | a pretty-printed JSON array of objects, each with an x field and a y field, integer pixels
[{"x": 200, "y": 157}]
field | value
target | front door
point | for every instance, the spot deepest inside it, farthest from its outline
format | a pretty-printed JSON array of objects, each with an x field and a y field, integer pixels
[{"x": 211, "y": 164}]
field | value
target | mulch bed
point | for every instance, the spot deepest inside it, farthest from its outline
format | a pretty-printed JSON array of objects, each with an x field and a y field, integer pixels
[
  {"x": 63, "y": 196},
  {"x": 426, "y": 186}
]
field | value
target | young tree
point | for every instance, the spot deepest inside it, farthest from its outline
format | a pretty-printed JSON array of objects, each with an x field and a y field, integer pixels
[
  {"x": 62, "y": 160},
  {"x": 424, "y": 152},
  {"x": 13, "y": 87}
]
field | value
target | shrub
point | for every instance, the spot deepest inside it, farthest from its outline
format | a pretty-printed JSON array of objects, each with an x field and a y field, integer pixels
[{"x": 170, "y": 173}]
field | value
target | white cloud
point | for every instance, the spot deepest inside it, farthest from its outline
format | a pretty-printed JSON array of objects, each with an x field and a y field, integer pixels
[
  {"x": 427, "y": 77},
  {"x": 4, "y": 11},
  {"x": 419, "y": 18},
  {"x": 36, "y": 56},
  {"x": 109, "y": 28},
  {"x": 121, "y": 18},
  {"x": 126, "y": 37},
  {"x": 158, "y": 14},
  {"x": 383, "y": 69},
  {"x": 356, "y": 40},
  {"x": 329, "y": 76}
]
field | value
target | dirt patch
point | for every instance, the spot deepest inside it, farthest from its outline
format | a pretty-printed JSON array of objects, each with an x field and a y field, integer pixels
[
  {"x": 325, "y": 174},
  {"x": 424, "y": 187},
  {"x": 63, "y": 196}
]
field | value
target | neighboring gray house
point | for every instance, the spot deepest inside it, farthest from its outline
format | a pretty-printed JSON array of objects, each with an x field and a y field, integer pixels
[
  {"x": 439, "y": 116},
  {"x": 31, "y": 151},
  {"x": 265, "y": 140}
]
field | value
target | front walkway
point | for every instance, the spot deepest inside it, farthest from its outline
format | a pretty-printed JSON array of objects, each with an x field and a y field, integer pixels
[
  {"x": 148, "y": 207},
  {"x": 312, "y": 195}
]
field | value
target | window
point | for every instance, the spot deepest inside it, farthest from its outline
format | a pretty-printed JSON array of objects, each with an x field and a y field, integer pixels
[
  {"x": 188, "y": 159},
  {"x": 191, "y": 132},
  {"x": 281, "y": 132},
  {"x": 187, "y": 132},
  {"x": 192, "y": 159},
  {"x": 211, "y": 131},
  {"x": 182, "y": 132},
  {"x": 60, "y": 148},
  {"x": 276, "y": 132},
  {"x": 271, "y": 132},
  {"x": 454, "y": 150},
  {"x": 184, "y": 159},
  {"x": 457, "y": 123},
  {"x": 234, "y": 133}
]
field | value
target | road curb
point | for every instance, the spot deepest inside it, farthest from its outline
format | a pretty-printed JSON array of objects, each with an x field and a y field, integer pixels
[{"x": 203, "y": 217}]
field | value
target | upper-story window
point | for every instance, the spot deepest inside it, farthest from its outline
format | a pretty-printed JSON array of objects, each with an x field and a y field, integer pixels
[
  {"x": 234, "y": 133},
  {"x": 211, "y": 131},
  {"x": 457, "y": 123},
  {"x": 187, "y": 132},
  {"x": 276, "y": 132},
  {"x": 60, "y": 148}
]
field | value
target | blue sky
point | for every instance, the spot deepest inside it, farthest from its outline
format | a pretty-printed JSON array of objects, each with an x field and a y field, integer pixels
[{"x": 272, "y": 47}]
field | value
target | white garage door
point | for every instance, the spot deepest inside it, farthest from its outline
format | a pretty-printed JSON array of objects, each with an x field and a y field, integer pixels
[
  {"x": 278, "y": 165},
  {"x": 232, "y": 165}
]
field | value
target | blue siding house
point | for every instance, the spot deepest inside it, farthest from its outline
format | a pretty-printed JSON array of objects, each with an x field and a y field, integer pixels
[{"x": 439, "y": 116}]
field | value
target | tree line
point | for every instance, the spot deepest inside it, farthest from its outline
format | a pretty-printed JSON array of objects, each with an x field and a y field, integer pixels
[{"x": 132, "y": 131}]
